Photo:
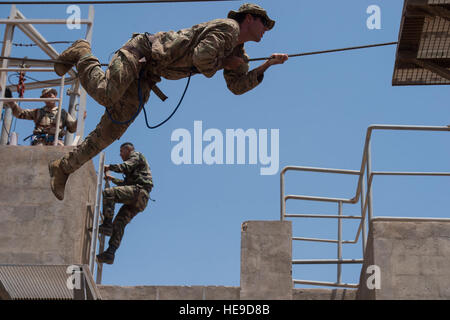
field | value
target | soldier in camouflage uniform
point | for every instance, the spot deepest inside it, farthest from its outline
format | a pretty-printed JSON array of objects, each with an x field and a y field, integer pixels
[
  {"x": 204, "y": 48},
  {"x": 133, "y": 192},
  {"x": 44, "y": 119}
]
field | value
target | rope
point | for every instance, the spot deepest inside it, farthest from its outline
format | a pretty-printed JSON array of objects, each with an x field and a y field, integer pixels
[
  {"x": 141, "y": 106},
  {"x": 34, "y": 44},
  {"x": 40, "y": 60},
  {"x": 328, "y": 51},
  {"x": 173, "y": 112},
  {"x": 254, "y": 59},
  {"x": 105, "y": 2}
]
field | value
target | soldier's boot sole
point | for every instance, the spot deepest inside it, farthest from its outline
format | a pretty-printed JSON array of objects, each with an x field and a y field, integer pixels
[
  {"x": 71, "y": 55},
  {"x": 105, "y": 257},
  {"x": 58, "y": 179},
  {"x": 106, "y": 230}
]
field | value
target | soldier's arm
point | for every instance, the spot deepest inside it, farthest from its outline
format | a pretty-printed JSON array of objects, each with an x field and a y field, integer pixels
[
  {"x": 127, "y": 166},
  {"x": 210, "y": 52},
  {"x": 18, "y": 112},
  {"x": 241, "y": 80}
]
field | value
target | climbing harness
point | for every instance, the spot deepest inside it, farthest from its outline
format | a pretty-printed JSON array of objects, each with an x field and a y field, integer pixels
[{"x": 141, "y": 106}]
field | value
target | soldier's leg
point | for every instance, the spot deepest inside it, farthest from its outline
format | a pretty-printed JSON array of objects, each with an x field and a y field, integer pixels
[
  {"x": 103, "y": 135},
  {"x": 111, "y": 196},
  {"x": 126, "y": 213},
  {"x": 137, "y": 203},
  {"x": 107, "y": 87}
]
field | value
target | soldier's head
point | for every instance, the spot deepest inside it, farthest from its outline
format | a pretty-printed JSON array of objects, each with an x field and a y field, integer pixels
[
  {"x": 49, "y": 93},
  {"x": 125, "y": 150},
  {"x": 253, "y": 21}
]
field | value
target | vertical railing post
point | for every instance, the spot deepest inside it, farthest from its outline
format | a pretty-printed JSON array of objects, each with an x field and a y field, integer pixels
[
  {"x": 282, "y": 202},
  {"x": 369, "y": 172},
  {"x": 58, "y": 116},
  {"x": 363, "y": 217},
  {"x": 98, "y": 198},
  {"x": 6, "y": 51},
  {"x": 339, "y": 265}
]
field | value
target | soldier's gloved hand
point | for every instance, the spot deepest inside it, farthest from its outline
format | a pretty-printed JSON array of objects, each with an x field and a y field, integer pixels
[
  {"x": 8, "y": 93},
  {"x": 278, "y": 58}
]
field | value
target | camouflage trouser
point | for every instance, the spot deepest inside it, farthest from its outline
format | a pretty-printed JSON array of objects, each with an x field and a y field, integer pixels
[
  {"x": 116, "y": 89},
  {"x": 135, "y": 200}
]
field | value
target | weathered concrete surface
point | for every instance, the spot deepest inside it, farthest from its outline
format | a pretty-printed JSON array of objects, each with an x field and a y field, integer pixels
[
  {"x": 109, "y": 292},
  {"x": 324, "y": 294},
  {"x": 169, "y": 293},
  {"x": 35, "y": 227},
  {"x": 413, "y": 257},
  {"x": 266, "y": 260}
]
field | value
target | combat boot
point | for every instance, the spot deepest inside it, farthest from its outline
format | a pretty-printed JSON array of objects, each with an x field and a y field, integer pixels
[
  {"x": 71, "y": 55},
  {"x": 107, "y": 256},
  {"x": 58, "y": 178},
  {"x": 106, "y": 227}
]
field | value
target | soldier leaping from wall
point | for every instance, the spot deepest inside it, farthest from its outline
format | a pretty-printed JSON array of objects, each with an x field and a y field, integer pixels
[{"x": 136, "y": 67}]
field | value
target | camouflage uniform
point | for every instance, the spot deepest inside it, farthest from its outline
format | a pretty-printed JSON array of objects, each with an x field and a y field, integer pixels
[
  {"x": 133, "y": 192},
  {"x": 45, "y": 123},
  {"x": 171, "y": 55}
]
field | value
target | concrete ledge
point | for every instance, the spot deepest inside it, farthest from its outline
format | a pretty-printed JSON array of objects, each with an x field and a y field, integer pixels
[
  {"x": 413, "y": 256},
  {"x": 169, "y": 293},
  {"x": 324, "y": 294},
  {"x": 266, "y": 260}
]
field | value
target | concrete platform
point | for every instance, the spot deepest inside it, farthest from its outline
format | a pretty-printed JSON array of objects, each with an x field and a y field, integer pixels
[
  {"x": 35, "y": 227},
  {"x": 413, "y": 256}
]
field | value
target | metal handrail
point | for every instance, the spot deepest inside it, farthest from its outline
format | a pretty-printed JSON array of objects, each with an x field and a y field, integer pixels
[{"x": 366, "y": 201}]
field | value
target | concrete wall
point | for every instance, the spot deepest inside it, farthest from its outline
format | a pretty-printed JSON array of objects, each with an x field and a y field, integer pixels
[
  {"x": 169, "y": 293},
  {"x": 109, "y": 292},
  {"x": 266, "y": 260},
  {"x": 323, "y": 294},
  {"x": 35, "y": 227},
  {"x": 413, "y": 257}
]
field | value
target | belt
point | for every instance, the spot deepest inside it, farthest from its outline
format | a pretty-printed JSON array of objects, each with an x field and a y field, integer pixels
[{"x": 142, "y": 58}]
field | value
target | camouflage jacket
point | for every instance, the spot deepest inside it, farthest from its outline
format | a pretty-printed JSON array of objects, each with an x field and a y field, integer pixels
[
  {"x": 201, "y": 49},
  {"x": 45, "y": 119},
  {"x": 136, "y": 171}
]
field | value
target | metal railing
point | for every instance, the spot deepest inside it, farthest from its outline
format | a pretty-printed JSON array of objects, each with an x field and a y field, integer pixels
[{"x": 361, "y": 194}]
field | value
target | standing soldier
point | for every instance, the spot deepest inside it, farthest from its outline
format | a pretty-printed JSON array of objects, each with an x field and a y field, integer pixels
[
  {"x": 133, "y": 192},
  {"x": 45, "y": 119},
  {"x": 136, "y": 67}
]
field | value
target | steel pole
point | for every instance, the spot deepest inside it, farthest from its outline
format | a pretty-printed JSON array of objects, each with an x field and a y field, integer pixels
[
  {"x": 98, "y": 198},
  {"x": 339, "y": 266}
]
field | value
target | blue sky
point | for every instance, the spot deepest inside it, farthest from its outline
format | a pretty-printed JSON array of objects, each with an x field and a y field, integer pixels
[{"x": 321, "y": 105}]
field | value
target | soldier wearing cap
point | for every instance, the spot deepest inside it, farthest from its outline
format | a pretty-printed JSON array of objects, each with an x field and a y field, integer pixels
[
  {"x": 45, "y": 119},
  {"x": 136, "y": 67}
]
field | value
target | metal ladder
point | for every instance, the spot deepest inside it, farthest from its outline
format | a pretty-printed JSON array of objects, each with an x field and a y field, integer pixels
[{"x": 97, "y": 219}]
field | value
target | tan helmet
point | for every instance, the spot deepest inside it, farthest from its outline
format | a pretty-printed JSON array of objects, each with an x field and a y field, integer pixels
[
  {"x": 253, "y": 9},
  {"x": 49, "y": 90}
]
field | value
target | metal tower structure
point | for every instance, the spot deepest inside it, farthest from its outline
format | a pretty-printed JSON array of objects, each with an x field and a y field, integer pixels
[{"x": 77, "y": 95}]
